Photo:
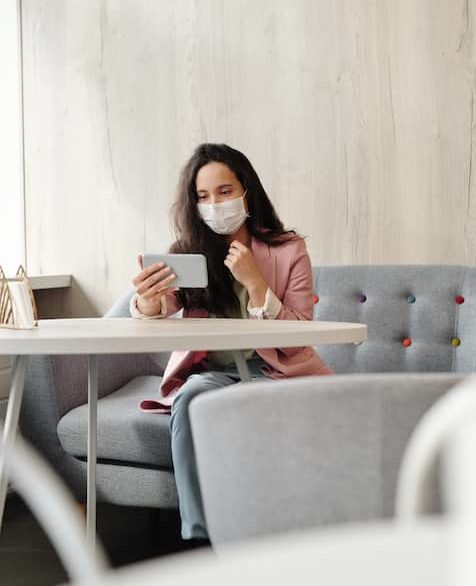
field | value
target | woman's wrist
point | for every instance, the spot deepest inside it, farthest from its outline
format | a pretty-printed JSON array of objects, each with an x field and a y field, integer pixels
[
  {"x": 147, "y": 308},
  {"x": 257, "y": 292}
]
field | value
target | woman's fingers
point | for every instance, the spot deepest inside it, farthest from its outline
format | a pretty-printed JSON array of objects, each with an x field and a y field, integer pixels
[
  {"x": 147, "y": 272},
  {"x": 237, "y": 251},
  {"x": 236, "y": 244},
  {"x": 233, "y": 254},
  {"x": 164, "y": 284},
  {"x": 152, "y": 280},
  {"x": 157, "y": 284},
  {"x": 159, "y": 289}
]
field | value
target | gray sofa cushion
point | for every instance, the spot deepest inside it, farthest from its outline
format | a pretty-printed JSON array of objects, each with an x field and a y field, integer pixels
[{"x": 125, "y": 434}]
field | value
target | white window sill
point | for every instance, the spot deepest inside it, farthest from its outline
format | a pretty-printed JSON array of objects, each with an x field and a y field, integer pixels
[{"x": 50, "y": 282}]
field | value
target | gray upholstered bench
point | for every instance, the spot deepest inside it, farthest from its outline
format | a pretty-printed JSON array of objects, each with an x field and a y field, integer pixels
[
  {"x": 420, "y": 319},
  {"x": 431, "y": 306}
]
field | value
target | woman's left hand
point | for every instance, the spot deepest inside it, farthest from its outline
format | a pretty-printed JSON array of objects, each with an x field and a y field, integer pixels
[{"x": 241, "y": 263}]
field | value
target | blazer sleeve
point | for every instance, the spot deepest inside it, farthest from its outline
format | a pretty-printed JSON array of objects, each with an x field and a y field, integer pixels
[{"x": 297, "y": 298}]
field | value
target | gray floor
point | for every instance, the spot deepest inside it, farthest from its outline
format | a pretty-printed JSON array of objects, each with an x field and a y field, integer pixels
[{"x": 128, "y": 534}]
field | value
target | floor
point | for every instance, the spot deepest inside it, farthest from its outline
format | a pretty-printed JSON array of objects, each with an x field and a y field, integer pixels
[{"x": 128, "y": 535}]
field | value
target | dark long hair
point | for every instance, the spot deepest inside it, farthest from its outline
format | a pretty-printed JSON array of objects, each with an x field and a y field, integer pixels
[{"x": 194, "y": 236}]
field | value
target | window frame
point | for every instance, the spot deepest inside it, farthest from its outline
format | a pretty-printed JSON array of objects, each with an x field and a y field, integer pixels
[{"x": 12, "y": 168}]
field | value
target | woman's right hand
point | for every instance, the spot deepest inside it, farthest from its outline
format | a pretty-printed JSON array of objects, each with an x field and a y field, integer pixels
[{"x": 151, "y": 284}]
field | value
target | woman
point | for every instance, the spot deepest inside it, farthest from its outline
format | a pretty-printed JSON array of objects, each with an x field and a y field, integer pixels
[{"x": 256, "y": 269}]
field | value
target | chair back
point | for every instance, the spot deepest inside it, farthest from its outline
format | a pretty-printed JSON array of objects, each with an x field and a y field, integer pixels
[{"x": 278, "y": 456}]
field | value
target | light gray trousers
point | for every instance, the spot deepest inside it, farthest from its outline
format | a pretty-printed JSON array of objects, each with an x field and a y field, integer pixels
[{"x": 183, "y": 454}]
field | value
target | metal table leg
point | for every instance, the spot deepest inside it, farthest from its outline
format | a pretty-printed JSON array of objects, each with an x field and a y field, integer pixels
[
  {"x": 242, "y": 366},
  {"x": 92, "y": 451},
  {"x": 11, "y": 422}
]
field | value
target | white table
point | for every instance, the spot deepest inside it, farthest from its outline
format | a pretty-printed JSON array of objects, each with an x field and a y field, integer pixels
[{"x": 125, "y": 336}]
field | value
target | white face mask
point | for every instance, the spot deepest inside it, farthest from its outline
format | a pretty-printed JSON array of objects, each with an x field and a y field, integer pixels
[{"x": 226, "y": 217}]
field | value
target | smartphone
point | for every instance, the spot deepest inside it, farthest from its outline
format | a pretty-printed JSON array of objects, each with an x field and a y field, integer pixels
[{"x": 190, "y": 269}]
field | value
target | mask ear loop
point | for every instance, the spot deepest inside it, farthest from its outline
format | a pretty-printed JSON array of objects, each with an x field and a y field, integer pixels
[{"x": 245, "y": 192}]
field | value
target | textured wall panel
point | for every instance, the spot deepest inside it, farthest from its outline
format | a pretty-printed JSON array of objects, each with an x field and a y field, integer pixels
[{"x": 357, "y": 114}]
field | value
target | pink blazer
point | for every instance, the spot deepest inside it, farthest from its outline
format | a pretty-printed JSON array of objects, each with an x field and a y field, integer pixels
[{"x": 287, "y": 271}]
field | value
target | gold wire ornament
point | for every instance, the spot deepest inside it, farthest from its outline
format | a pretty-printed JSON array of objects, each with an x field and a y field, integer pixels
[{"x": 7, "y": 315}]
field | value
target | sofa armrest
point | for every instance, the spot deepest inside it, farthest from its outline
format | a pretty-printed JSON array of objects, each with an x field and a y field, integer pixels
[
  {"x": 305, "y": 452},
  {"x": 56, "y": 384},
  {"x": 114, "y": 371},
  {"x": 39, "y": 417}
]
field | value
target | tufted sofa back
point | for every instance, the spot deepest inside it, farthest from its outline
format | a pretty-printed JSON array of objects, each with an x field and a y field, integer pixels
[{"x": 419, "y": 317}]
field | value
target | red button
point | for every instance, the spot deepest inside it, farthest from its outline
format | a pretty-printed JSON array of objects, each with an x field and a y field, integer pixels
[
  {"x": 315, "y": 299},
  {"x": 406, "y": 342},
  {"x": 459, "y": 299}
]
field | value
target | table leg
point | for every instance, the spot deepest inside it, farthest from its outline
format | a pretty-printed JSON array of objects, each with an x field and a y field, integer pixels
[
  {"x": 242, "y": 366},
  {"x": 11, "y": 422},
  {"x": 92, "y": 451}
]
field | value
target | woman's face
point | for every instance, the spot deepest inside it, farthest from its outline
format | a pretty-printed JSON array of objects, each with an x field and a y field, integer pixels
[{"x": 216, "y": 183}]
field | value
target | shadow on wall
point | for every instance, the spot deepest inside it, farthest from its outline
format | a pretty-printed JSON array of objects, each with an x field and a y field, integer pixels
[{"x": 57, "y": 303}]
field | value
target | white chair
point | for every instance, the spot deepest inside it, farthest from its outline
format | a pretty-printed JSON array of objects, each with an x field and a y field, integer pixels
[
  {"x": 56, "y": 510},
  {"x": 437, "y": 425}
]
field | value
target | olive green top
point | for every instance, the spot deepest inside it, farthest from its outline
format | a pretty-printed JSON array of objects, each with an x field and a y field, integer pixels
[{"x": 225, "y": 357}]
